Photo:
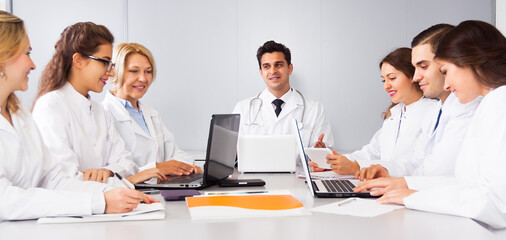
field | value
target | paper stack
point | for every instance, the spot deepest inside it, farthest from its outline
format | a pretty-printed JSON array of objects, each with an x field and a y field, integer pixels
[{"x": 143, "y": 211}]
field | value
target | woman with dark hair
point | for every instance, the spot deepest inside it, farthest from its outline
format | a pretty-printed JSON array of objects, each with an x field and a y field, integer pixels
[
  {"x": 473, "y": 60},
  {"x": 77, "y": 130},
  {"x": 32, "y": 183},
  {"x": 402, "y": 121}
]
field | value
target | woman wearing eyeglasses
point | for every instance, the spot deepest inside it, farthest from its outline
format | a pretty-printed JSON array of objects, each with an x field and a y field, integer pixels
[
  {"x": 76, "y": 129},
  {"x": 32, "y": 183}
]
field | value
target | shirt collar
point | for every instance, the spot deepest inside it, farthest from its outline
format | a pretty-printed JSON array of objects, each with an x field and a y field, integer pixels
[
  {"x": 269, "y": 97},
  {"x": 76, "y": 97},
  {"x": 127, "y": 104}
]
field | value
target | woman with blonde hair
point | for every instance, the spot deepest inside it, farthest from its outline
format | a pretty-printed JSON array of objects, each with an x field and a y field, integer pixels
[
  {"x": 32, "y": 182},
  {"x": 141, "y": 127}
]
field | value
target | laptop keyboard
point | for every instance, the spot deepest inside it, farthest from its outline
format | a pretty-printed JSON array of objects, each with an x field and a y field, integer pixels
[
  {"x": 338, "y": 185},
  {"x": 184, "y": 179}
]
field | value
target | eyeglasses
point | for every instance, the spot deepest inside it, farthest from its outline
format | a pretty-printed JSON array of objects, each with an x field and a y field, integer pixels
[{"x": 109, "y": 65}]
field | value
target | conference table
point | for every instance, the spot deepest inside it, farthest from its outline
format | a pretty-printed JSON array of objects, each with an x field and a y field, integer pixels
[{"x": 399, "y": 224}]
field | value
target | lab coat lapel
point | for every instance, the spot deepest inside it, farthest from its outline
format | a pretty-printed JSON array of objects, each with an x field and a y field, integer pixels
[
  {"x": 149, "y": 116},
  {"x": 268, "y": 114},
  {"x": 122, "y": 115},
  {"x": 291, "y": 105}
]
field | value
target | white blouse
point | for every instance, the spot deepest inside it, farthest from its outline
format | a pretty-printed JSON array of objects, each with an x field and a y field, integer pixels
[
  {"x": 32, "y": 182},
  {"x": 478, "y": 189},
  {"x": 80, "y": 133}
]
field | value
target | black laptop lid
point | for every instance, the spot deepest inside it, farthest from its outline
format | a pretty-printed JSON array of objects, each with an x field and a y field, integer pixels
[{"x": 221, "y": 147}]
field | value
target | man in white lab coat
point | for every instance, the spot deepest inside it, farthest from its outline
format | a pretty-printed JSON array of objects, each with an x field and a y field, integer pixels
[
  {"x": 272, "y": 111},
  {"x": 436, "y": 149}
]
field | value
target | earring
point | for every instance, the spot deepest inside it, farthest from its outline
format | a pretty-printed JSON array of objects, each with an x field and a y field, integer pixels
[{"x": 2, "y": 74}]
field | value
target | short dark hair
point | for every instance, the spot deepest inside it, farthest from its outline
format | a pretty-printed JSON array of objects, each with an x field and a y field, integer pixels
[
  {"x": 270, "y": 47},
  {"x": 479, "y": 46},
  {"x": 432, "y": 35}
]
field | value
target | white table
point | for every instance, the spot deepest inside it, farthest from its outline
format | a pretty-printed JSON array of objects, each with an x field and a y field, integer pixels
[{"x": 400, "y": 224}]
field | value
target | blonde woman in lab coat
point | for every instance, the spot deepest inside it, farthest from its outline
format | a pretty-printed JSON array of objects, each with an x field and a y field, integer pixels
[
  {"x": 76, "y": 129},
  {"x": 402, "y": 122},
  {"x": 140, "y": 126},
  {"x": 32, "y": 183},
  {"x": 473, "y": 59}
]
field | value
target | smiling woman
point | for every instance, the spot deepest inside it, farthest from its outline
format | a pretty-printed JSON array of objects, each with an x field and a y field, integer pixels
[
  {"x": 403, "y": 120},
  {"x": 77, "y": 130},
  {"x": 32, "y": 182},
  {"x": 152, "y": 145}
]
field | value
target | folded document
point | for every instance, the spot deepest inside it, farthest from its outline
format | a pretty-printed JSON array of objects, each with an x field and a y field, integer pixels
[{"x": 143, "y": 211}]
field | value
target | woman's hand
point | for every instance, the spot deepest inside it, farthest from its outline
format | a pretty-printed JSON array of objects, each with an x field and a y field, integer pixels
[
  {"x": 98, "y": 175},
  {"x": 384, "y": 184},
  {"x": 373, "y": 171},
  {"x": 341, "y": 164},
  {"x": 146, "y": 175},
  {"x": 174, "y": 167},
  {"x": 120, "y": 200}
]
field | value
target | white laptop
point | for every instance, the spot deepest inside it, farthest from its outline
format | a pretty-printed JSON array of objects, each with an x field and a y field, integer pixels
[{"x": 266, "y": 153}]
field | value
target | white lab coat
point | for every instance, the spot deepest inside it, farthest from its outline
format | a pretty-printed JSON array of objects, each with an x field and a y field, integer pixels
[
  {"x": 396, "y": 137},
  {"x": 32, "y": 183},
  {"x": 147, "y": 149},
  {"x": 80, "y": 133},
  {"x": 315, "y": 121},
  {"x": 435, "y": 151},
  {"x": 478, "y": 189}
]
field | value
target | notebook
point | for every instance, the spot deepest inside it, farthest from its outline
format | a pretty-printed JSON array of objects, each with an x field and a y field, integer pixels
[
  {"x": 220, "y": 157},
  {"x": 326, "y": 188},
  {"x": 266, "y": 153}
]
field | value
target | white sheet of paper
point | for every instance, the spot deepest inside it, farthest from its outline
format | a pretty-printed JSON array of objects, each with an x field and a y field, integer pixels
[
  {"x": 358, "y": 207},
  {"x": 319, "y": 156},
  {"x": 153, "y": 211}
]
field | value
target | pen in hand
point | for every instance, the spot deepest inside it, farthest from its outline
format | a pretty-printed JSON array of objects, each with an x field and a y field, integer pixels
[{"x": 126, "y": 182}]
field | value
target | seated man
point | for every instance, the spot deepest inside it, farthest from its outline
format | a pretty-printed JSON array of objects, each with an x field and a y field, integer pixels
[{"x": 272, "y": 111}]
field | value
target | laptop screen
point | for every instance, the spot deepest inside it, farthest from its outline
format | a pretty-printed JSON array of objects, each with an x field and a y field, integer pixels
[
  {"x": 221, "y": 147},
  {"x": 303, "y": 159}
]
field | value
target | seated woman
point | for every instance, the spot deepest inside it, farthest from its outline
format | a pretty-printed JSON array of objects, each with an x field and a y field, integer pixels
[
  {"x": 76, "y": 129},
  {"x": 402, "y": 121},
  {"x": 140, "y": 126},
  {"x": 473, "y": 59},
  {"x": 32, "y": 183}
]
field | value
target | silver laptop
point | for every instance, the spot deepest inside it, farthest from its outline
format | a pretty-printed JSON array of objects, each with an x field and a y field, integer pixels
[
  {"x": 326, "y": 188},
  {"x": 220, "y": 157},
  {"x": 266, "y": 153}
]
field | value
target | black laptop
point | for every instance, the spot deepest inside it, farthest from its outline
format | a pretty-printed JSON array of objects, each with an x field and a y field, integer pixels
[
  {"x": 220, "y": 157},
  {"x": 326, "y": 188}
]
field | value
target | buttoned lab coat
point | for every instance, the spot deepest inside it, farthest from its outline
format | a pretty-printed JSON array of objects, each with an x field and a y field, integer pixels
[
  {"x": 478, "y": 189},
  {"x": 397, "y": 136},
  {"x": 315, "y": 121},
  {"x": 80, "y": 133},
  {"x": 32, "y": 182},
  {"x": 147, "y": 149},
  {"x": 436, "y": 149}
]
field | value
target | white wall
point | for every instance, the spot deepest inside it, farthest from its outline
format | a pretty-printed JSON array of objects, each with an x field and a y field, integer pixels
[
  {"x": 500, "y": 15},
  {"x": 205, "y": 51}
]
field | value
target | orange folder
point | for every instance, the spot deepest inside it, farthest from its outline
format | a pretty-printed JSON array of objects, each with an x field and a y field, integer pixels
[
  {"x": 259, "y": 202},
  {"x": 219, "y": 207}
]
